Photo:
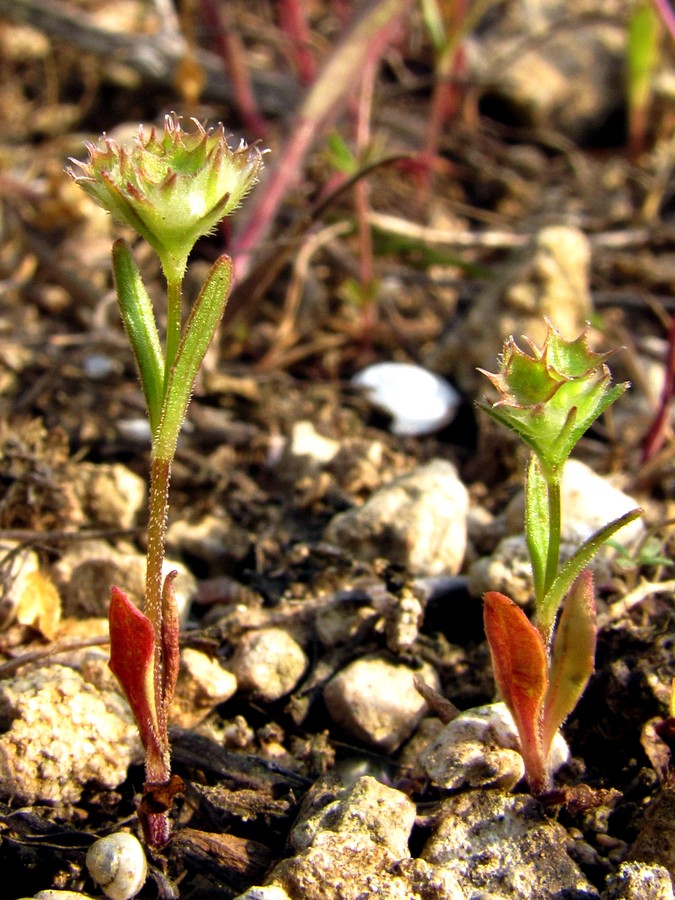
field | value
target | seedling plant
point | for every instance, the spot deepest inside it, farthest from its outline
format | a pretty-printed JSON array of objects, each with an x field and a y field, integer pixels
[
  {"x": 549, "y": 398},
  {"x": 172, "y": 188}
]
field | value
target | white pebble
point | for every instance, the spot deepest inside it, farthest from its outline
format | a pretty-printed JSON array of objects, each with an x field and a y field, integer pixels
[
  {"x": 99, "y": 365},
  {"x": 418, "y": 401}
]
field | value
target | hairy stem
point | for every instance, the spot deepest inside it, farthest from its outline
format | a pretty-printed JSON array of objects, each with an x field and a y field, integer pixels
[
  {"x": 158, "y": 503},
  {"x": 173, "y": 326},
  {"x": 554, "y": 525}
]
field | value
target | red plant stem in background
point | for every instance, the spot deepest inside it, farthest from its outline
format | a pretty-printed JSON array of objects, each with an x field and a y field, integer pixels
[
  {"x": 367, "y": 38},
  {"x": 446, "y": 98},
  {"x": 656, "y": 434},
  {"x": 218, "y": 18},
  {"x": 293, "y": 22},
  {"x": 667, "y": 15},
  {"x": 361, "y": 189}
]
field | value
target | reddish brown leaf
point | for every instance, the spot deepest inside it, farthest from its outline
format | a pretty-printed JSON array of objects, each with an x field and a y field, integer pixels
[
  {"x": 170, "y": 644},
  {"x": 572, "y": 658},
  {"x": 519, "y": 663},
  {"x": 132, "y": 655}
]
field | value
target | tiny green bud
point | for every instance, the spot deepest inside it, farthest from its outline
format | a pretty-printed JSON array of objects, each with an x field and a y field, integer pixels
[
  {"x": 172, "y": 188},
  {"x": 551, "y": 397}
]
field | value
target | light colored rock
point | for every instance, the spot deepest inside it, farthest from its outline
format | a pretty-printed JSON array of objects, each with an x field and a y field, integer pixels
[
  {"x": 547, "y": 75},
  {"x": 341, "y": 866},
  {"x": 61, "y": 734},
  {"x": 271, "y": 892},
  {"x": 590, "y": 501},
  {"x": 508, "y": 569},
  {"x": 213, "y": 539},
  {"x": 504, "y": 844},
  {"x": 306, "y": 442},
  {"x": 549, "y": 277},
  {"x": 639, "y": 881},
  {"x": 268, "y": 663},
  {"x": 202, "y": 684},
  {"x": 403, "y": 619},
  {"x": 418, "y": 521},
  {"x": 352, "y": 843},
  {"x": 418, "y": 401},
  {"x": 367, "y": 807},
  {"x": 111, "y": 495},
  {"x": 480, "y": 748},
  {"x": 376, "y": 701},
  {"x": 86, "y": 572}
]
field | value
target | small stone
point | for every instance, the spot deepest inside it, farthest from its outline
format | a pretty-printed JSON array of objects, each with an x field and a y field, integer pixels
[
  {"x": 271, "y": 892},
  {"x": 508, "y": 569},
  {"x": 86, "y": 572},
  {"x": 341, "y": 866},
  {"x": 480, "y": 748},
  {"x": 418, "y": 401},
  {"x": 375, "y": 700},
  {"x": 60, "y": 734},
  {"x": 214, "y": 540},
  {"x": 417, "y": 521},
  {"x": 430, "y": 882},
  {"x": 100, "y": 366},
  {"x": 135, "y": 431},
  {"x": 268, "y": 663},
  {"x": 307, "y": 443},
  {"x": 563, "y": 83},
  {"x": 403, "y": 619},
  {"x": 368, "y": 807},
  {"x": 639, "y": 881},
  {"x": 111, "y": 495},
  {"x": 505, "y": 844},
  {"x": 202, "y": 684},
  {"x": 353, "y": 843}
]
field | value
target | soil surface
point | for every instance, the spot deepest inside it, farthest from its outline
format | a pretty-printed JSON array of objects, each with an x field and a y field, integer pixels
[{"x": 331, "y": 287}]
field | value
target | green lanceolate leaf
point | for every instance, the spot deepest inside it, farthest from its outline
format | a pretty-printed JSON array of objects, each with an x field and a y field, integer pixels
[
  {"x": 572, "y": 657},
  {"x": 197, "y": 335},
  {"x": 572, "y": 568},
  {"x": 139, "y": 322},
  {"x": 537, "y": 524}
]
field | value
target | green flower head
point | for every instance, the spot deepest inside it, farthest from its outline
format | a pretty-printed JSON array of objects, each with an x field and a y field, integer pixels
[
  {"x": 553, "y": 395},
  {"x": 172, "y": 188}
]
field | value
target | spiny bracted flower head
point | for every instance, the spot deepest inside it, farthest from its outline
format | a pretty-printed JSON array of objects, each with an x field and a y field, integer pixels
[
  {"x": 172, "y": 188},
  {"x": 553, "y": 395}
]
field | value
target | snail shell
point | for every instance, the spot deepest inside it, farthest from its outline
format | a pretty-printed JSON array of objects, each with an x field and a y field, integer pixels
[
  {"x": 117, "y": 864},
  {"x": 58, "y": 895}
]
